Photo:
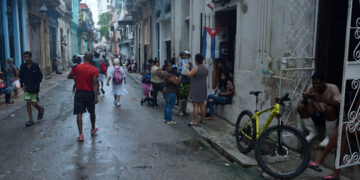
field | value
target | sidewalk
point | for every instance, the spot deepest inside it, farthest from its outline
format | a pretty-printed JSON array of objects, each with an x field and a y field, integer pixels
[
  {"x": 46, "y": 86},
  {"x": 219, "y": 133}
]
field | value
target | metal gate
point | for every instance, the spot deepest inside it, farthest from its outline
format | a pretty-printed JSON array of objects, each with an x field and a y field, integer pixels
[
  {"x": 300, "y": 38},
  {"x": 349, "y": 118}
]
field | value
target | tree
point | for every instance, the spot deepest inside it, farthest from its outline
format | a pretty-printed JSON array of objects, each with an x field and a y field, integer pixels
[
  {"x": 104, "y": 31},
  {"x": 104, "y": 19}
]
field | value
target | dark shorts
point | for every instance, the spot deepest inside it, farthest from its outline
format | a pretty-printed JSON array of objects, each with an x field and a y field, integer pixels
[
  {"x": 318, "y": 117},
  {"x": 84, "y": 101}
]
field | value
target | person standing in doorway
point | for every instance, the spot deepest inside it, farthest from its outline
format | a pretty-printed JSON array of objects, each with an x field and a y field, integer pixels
[
  {"x": 184, "y": 85},
  {"x": 86, "y": 93},
  {"x": 198, "y": 92},
  {"x": 30, "y": 78},
  {"x": 170, "y": 89},
  {"x": 97, "y": 64},
  {"x": 13, "y": 73},
  {"x": 157, "y": 80},
  {"x": 117, "y": 74}
]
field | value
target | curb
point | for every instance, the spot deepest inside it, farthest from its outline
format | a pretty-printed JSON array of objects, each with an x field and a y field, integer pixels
[{"x": 241, "y": 159}]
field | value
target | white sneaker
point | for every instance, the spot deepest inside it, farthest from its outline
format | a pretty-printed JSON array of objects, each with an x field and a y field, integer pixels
[
  {"x": 181, "y": 113},
  {"x": 118, "y": 104},
  {"x": 324, "y": 142},
  {"x": 311, "y": 136},
  {"x": 171, "y": 123}
]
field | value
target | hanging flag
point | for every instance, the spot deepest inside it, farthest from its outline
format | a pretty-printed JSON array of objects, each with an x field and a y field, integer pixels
[{"x": 211, "y": 49}]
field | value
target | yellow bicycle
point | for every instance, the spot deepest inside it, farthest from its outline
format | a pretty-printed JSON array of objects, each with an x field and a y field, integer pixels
[{"x": 281, "y": 151}]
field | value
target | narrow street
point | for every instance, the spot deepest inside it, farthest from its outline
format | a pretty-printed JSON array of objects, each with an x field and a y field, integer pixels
[{"x": 132, "y": 143}]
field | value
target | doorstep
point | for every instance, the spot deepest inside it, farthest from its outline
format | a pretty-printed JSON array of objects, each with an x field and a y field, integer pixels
[{"x": 219, "y": 133}]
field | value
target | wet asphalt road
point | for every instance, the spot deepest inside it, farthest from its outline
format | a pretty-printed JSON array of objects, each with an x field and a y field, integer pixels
[{"x": 132, "y": 143}]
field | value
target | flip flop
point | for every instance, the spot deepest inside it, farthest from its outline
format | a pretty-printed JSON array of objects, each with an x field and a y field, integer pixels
[
  {"x": 80, "y": 138},
  {"x": 330, "y": 178},
  {"x": 29, "y": 123},
  {"x": 93, "y": 131},
  {"x": 190, "y": 123},
  {"x": 314, "y": 166},
  {"x": 41, "y": 113}
]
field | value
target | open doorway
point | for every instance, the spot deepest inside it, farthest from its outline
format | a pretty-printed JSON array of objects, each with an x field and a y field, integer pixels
[
  {"x": 330, "y": 44},
  {"x": 225, "y": 23}
]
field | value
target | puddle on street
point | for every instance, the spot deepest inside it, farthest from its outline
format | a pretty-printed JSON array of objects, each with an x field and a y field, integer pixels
[{"x": 195, "y": 144}]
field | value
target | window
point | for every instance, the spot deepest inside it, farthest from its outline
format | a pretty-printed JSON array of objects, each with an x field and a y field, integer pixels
[
  {"x": 108, "y": 7},
  {"x": 108, "y": 1}
]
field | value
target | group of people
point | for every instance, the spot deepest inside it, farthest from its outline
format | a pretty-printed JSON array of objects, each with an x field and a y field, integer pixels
[{"x": 183, "y": 81}]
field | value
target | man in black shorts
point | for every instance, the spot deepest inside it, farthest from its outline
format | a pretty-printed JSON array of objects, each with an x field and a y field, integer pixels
[
  {"x": 321, "y": 103},
  {"x": 85, "y": 97}
]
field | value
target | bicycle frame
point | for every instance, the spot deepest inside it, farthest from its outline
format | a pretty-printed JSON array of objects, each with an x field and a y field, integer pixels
[{"x": 275, "y": 110}]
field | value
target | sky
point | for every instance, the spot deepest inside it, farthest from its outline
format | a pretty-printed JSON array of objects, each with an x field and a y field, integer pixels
[{"x": 92, "y": 4}]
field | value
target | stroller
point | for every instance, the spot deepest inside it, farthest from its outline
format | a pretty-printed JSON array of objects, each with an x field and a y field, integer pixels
[{"x": 146, "y": 86}]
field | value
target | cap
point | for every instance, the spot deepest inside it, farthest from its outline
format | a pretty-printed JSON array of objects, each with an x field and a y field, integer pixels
[{"x": 187, "y": 52}]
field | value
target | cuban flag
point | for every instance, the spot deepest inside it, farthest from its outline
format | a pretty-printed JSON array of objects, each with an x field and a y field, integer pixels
[{"x": 211, "y": 49}]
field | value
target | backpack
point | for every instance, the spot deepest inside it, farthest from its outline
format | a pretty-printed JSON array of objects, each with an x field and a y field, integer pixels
[
  {"x": 117, "y": 77},
  {"x": 103, "y": 67}
]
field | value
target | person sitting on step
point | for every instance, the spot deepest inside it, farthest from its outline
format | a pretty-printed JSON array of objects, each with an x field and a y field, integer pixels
[{"x": 321, "y": 102}]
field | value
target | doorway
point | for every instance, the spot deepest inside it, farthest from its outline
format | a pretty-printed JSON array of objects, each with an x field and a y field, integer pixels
[
  {"x": 330, "y": 44},
  {"x": 225, "y": 22}
]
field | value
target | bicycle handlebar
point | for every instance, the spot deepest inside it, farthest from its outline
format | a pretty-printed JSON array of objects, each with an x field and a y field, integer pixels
[{"x": 283, "y": 99}]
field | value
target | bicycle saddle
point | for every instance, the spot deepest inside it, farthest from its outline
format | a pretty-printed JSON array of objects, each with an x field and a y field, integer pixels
[{"x": 256, "y": 93}]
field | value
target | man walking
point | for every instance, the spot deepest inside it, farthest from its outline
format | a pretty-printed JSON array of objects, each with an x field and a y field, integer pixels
[
  {"x": 30, "y": 79},
  {"x": 97, "y": 64},
  {"x": 86, "y": 92}
]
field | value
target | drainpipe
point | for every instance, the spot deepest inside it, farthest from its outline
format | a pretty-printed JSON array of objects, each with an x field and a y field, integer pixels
[
  {"x": 24, "y": 26},
  {"x": 6, "y": 35},
  {"x": 16, "y": 27},
  {"x": 5, "y": 29}
]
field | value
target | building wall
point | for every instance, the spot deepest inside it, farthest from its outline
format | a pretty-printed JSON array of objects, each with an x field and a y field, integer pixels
[
  {"x": 14, "y": 31},
  {"x": 262, "y": 40},
  {"x": 162, "y": 26},
  {"x": 74, "y": 40}
]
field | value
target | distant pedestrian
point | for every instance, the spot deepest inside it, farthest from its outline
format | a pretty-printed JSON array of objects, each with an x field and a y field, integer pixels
[
  {"x": 101, "y": 78},
  {"x": 30, "y": 79},
  {"x": 117, "y": 74},
  {"x": 4, "y": 89},
  {"x": 146, "y": 82},
  {"x": 86, "y": 93},
  {"x": 105, "y": 60},
  {"x": 76, "y": 61},
  {"x": 55, "y": 62},
  {"x": 170, "y": 90},
  {"x": 184, "y": 85},
  {"x": 198, "y": 88},
  {"x": 157, "y": 80},
  {"x": 13, "y": 73}
]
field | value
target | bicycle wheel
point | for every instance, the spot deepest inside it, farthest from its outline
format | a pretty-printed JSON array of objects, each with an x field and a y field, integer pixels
[
  {"x": 245, "y": 128},
  {"x": 282, "y": 152}
]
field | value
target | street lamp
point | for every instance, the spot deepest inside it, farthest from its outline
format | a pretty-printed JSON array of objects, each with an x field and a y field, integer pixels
[{"x": 43, "y": 9}]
